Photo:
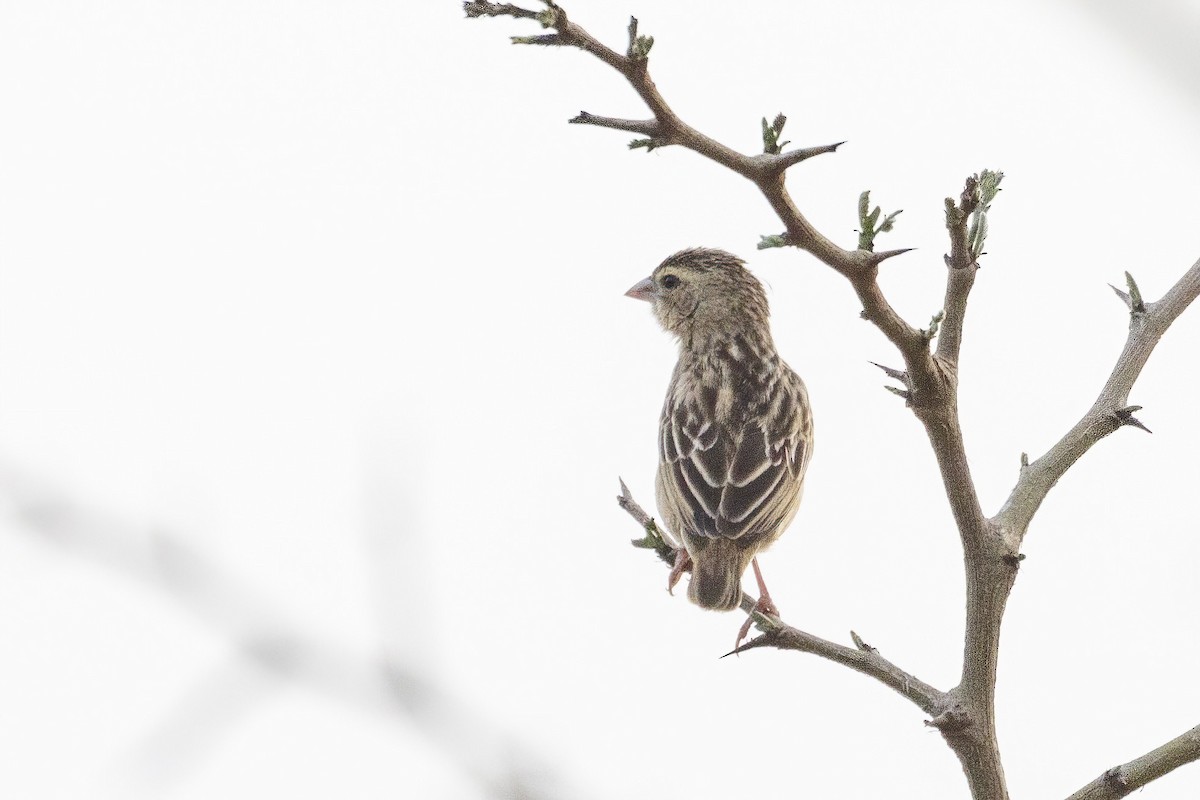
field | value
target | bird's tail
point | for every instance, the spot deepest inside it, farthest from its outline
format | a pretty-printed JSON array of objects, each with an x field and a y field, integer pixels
[{"x": 717, "y": 576}]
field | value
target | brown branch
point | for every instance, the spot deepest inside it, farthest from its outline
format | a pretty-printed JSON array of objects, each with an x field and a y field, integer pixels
[
  {"x": 498, "y": 10},
  {"x": 781, "y": 636},
  {"x": 646, "y": 127},
  {"x": 1109, "y": 412},
  {"x": 1128, "y": 778},
  {"x": 782, "y": 161}
]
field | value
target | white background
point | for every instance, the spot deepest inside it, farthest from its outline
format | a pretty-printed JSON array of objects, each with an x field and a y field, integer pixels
[{"x": 314, "y": 358}]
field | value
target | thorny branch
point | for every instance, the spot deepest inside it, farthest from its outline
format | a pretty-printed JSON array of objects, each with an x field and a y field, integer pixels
[
  {"x": 778, "y": 634},
  {"x": 991, "y": 547},
  {"x": 1147, "y": 323},
  {"x": 1128, "y": 778}
]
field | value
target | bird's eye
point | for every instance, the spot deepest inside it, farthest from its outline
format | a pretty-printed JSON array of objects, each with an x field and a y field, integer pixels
[{"x": 670, "y": 281}]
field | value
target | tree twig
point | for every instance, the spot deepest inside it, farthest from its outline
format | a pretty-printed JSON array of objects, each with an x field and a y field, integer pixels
[
  {"x": 781, "y": 636},
  {"x": 1109, "y": 412},
  {"x": 1127, "y": 778}
]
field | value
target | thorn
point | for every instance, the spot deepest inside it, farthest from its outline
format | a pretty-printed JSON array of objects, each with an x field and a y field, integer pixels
[
  {"x": 1125, "y": 417},
  {"x": 1115, "y": 777},
  {"x": 952, "y": 719},
  {"x": 879, "y": 258},
  {"x": 1124, "y": 297},
  {"x": 860, "y": 644},
  {"x": 548, "y": 39},
  {"x": 894, "y": 374},
  {"x": 900, "y": 393},
  {"x": 1024, "y": 460},
  {"x": 1014, "y": 560},
  {"x": 757, "y": 641}
]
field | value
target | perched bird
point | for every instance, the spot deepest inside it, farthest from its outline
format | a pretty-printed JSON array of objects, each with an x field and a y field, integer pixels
[{"x": 736, "y": 430}]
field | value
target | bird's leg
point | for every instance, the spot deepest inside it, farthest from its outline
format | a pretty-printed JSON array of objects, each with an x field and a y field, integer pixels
[
  {"x": 764, "y": 605},
  {"x": 683, "y": 563}
]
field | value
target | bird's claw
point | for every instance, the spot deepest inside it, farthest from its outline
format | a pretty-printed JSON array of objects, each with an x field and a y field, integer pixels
[
  {"x": 683, "y": 563},
  {"x": 765, "y": 605}
]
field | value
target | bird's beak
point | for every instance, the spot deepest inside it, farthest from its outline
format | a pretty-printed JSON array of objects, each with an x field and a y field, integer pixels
[{"x": 643, "y": 290}]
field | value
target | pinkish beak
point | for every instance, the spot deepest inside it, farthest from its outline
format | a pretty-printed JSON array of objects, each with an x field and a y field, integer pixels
[{"x": 644, "y": 290}]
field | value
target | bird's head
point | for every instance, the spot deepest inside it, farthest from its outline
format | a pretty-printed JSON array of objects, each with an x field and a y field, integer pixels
[{"x": 703, "y": 295}]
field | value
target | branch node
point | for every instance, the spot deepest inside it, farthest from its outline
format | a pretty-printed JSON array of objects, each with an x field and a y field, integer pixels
[
  {"x": 552, "y": 16},
  {"x": 952, "y": 719},
  {"x": 1125, "y": 416},
  {"x": 774, "y": 240},
  {"x": 771, "y": 133},
  {"x": 869, "y": 225},
  {"x": 1014, "y": 559},
  {"x": 1024, "y": 460},
  {"x": 1115, "y": 777},
  {"x": 639, "y": 46},
  {"x": 1134, "y": 301},
  {"x": 860, "y": 644}
]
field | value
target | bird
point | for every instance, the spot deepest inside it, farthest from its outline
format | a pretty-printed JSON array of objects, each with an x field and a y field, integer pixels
[{"x": 736, "y": 432}]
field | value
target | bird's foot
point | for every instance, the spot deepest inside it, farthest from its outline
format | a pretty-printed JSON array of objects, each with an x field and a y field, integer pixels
[
  {"x": 683, "y": 563},
  {"x": 764, "y": 605}
]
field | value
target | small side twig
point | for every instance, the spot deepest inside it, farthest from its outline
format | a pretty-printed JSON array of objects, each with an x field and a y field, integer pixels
[{"x": 781, "y": 636}]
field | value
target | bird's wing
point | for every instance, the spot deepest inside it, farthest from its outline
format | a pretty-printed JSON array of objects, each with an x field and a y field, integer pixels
[{"x": 736, "y": 479}]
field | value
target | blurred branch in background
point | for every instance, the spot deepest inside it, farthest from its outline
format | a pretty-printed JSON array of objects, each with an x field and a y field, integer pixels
[
  {"x": 1161, "y": 32},
  {"x": 267, "y": 650}
]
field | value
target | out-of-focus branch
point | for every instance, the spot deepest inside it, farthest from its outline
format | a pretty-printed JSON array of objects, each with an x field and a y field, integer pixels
[
  {"x": 781, "y": 636},
  {"x": 1128, "y": 778},
  {"x": 262, "y": 636}
]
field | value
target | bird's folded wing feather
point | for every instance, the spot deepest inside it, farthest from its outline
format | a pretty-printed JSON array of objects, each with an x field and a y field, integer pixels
[{"x": 735, "y": 479}]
